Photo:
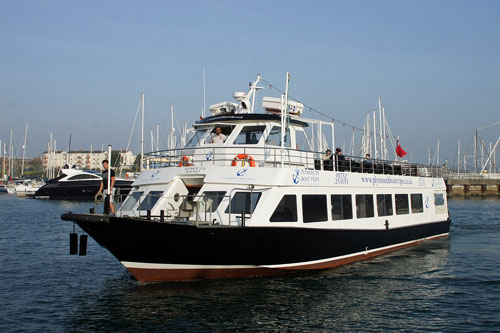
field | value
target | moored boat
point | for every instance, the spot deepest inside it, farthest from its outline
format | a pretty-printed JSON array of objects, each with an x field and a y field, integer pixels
[
  {"x": 77, "y": 184},
  {"x": 262, "y": 200}
]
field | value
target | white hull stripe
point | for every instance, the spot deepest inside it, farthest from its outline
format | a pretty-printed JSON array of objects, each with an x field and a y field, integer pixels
[{"x": 130, "y": 264}]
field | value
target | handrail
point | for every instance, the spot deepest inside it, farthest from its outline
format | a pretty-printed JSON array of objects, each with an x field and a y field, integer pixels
[{"x": 293, "y": 158}]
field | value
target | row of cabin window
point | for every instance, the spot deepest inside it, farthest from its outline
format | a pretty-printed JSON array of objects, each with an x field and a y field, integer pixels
[{"x": 314, "y": 207}]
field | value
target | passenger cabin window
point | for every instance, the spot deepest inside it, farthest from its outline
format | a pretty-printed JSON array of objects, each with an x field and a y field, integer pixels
[
  {"x": 274, "y": 137},
  {"x": 417, "y": 205},
  {"x": 439, "y": 206},
  {"x": 384, "y": 204},
  {"x": 150, "y": 200},
  {"x": 131, "y": 201},
  {"x": 314, "y": 208},
  {"x": 215, "y": 197},
  {"x": 341, "y": 206},
  {"x": 286, "y": 211},
  {"x": 249, "y": 135},
  {"x": 364, "y": 206},
  {"x": 244, "y": 202},
  {"x": 402, "y": 206},
  {"x": 438, "y": 199}
]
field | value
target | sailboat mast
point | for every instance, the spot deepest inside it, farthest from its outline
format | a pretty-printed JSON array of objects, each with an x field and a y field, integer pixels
[
  {"x": 142, "y": 131},
  {"x": 10, "y": 155},
  {"x": 375, "y": 134},
  {"x": 24, "y": 149},
  {"x": 172, "y": 128},
  {"x": 204, "y": 102},
  {"x": 157, "y": 137}
]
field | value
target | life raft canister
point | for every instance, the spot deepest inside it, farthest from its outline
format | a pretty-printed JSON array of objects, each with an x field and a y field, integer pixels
[
  {"x": 243, "y": 157},
  {"x": 184, "y": 162}
]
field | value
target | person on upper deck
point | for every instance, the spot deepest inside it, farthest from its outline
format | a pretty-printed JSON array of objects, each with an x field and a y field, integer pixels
[
  {"x": 328, "y": 160},
  {"x": 339, "y": 160},
  {"x": 218, "y": 137}
]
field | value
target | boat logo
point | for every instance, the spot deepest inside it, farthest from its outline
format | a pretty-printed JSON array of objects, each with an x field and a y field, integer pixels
[
  {"x": 210, "y": 156},
  {"x": 154, "y": 174},
  {"x": 241, "y": 172},
  {"x": 295, "y": 176}
]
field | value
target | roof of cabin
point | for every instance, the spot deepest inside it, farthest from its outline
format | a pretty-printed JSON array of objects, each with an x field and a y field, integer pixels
[{"x": 231, "y": 117}]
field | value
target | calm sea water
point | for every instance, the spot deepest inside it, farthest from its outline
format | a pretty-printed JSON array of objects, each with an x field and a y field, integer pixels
[{"x": 446, "y": 285}]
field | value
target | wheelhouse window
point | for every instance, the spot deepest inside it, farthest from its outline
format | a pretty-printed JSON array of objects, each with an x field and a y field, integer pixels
[
  {"x": 384, "y": 204},
  {"x": 301, "y": 141},
  {"x": 402, "y": 206},
  {"x": 364, "y": 205},
  {"x": 215, "y": 197},
  {"x": 225, "y": 130},
  {"x": 131, "y": 200},
  {"x": 417, "y": 205},
  {"x": 314, "y": 208},
  {"x": 150, "y": 200},
  {"x": 197, "y": 137},
  {"x": 341, "y": 206},
  {"x": 286, "y": 211},
  {"x": 249, "y": 135},
  {"x": 244, "y": 202},
  {"x": 274, "y": 137}
]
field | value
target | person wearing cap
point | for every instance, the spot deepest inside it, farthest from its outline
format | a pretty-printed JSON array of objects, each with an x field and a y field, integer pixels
[{"x": 339, "y": 159}]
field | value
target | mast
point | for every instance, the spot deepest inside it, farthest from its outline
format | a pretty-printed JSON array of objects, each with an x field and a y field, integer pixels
[
  {"x": 3, "y": 164},
  {"x": 458, "y": 158},
  {"x": 69, "y": 150},
  {"x": 172, "y": 128},
  {"x": 157, "y": 136},
  {"x": 475, "y": 152},
  {"x": 204, "y": 102},
  {"x": 383, "y": 127},
  {"x": 10, "y": 154},
  {"x": 375, "y": 134},
  {"x": 437, "y": 154},
  {"x": 380, "y": 130},
  {"x": 142, "y": 131},
  {"x": 152, "y": 141},
  {"x": 24, "y": 149},
  {"x": 284, "y": 118}
]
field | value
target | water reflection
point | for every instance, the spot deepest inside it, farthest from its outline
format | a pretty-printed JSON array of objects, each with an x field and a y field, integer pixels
[{"x": 336, "y": 298}]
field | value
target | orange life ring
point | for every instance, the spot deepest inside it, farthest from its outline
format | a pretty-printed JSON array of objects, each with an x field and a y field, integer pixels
[
  {"x": 184, "y": 162},
  {"x": 243, "y": 157}
]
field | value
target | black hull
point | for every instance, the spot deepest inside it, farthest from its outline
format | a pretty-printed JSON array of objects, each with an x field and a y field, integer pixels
[
  {"x": 154, "y": 251},
  {"x": 78, "y": 190}
]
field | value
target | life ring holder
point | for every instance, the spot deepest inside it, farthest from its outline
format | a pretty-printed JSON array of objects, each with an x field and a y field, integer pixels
[
  {"x": 243, "y": 157},
  {"x": 184, "y": 162}
]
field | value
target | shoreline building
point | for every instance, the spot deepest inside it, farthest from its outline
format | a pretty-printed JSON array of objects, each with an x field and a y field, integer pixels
[{"x": 83, "y": 159}]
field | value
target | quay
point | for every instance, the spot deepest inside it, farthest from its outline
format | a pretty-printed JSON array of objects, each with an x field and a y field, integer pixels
[{"x": 467, "y": 184}]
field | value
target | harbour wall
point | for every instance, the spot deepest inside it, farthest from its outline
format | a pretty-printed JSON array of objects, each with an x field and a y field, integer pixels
[{"x": 473, "y": 185}]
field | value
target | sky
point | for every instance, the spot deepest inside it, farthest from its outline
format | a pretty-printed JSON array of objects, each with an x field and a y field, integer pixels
[{"x": 79, "y": 67}]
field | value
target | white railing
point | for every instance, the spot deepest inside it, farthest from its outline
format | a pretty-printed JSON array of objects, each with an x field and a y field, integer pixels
[{"x": 273, "y": 157}]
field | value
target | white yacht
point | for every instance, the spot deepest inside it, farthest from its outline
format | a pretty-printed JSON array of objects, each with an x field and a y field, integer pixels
[{"x": 264, "y": 201}]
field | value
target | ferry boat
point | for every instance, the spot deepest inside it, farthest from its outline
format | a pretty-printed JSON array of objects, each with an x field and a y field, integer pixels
[
  {"x": 78, "y": 184},
  {"x": 264, "y": 201}
]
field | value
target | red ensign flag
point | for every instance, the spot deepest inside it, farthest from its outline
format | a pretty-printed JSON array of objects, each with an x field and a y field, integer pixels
[{"x": 399, "y": 151}]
